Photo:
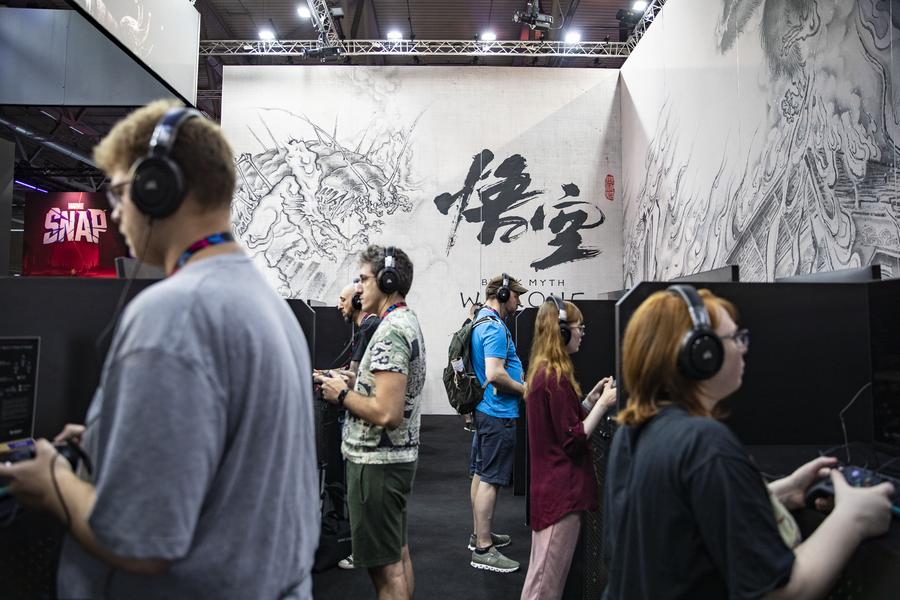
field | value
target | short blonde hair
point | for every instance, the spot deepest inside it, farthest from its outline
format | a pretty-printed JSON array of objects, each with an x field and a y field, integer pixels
[
  {"x": 200, "y": 149},
  {"x": 650, "y": 348}
]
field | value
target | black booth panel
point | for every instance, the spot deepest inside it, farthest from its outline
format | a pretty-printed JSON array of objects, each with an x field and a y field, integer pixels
[
  {"x": 332, "y": 351},
  {"x": 332, "y": 338},
  {"x": 884, "y": 315},
  {"x": 809, "y": 355},
  {"x": 69, "y": 315},
  {"x": 306, "y": 316}
]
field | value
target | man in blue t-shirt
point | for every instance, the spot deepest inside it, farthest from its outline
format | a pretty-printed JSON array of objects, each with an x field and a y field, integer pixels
[{"x": 499, "y": 371}]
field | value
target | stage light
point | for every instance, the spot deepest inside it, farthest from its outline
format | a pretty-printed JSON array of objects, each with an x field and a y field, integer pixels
[
  {"x": 639, "y": 5},
  {"x": 488, "y": 36},
  {"x": 573, "y": 37},
  {"x": 266, "y": 35},
  {"x": 394, "y": 35},
  {"x": 304, "y": 13},
  {"x": 533, "y": 17}
]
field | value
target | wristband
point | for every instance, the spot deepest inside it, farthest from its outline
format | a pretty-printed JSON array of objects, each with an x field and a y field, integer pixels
[{"x": 342, "y": 396}]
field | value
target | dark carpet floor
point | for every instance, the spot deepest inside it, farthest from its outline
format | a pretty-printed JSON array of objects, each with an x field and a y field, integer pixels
[{"x": 440, "y": 522}]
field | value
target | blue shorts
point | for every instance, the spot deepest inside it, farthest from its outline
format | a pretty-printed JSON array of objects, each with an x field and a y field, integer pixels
[{"x": 493, "y": 449}]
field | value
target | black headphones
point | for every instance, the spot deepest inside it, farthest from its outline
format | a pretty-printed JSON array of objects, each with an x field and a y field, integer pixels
[
  {"x": 701, "y": 353},
  {"x": 388, "y": 279},
  {"x": 503, "y": 290},
  {"x": 564, "y": 329},
  {"x": 157, "y": 182}
]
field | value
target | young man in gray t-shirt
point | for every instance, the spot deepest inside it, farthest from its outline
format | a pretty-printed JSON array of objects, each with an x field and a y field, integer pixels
[{"x": 201, "y": 431}]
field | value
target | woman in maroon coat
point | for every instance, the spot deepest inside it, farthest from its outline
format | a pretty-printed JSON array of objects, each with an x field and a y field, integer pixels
[{"x": 559, "y": 425}]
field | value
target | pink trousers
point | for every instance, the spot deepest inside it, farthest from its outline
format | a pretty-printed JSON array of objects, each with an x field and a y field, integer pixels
[{"x": 551, "y": 556}]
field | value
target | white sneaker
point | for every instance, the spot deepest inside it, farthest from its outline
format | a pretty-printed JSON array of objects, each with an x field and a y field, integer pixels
[{"x": 346, "y": 563}]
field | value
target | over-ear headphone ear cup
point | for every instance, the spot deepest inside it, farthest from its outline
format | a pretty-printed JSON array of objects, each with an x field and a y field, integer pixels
[
  {"x": 566, "y": 333},
  {"x": 701, "y": 355},
  {"x": 503, "y": 294},
  {"x": 387, "y": 280},
  {"x": 356, "y": 302},
  {"x": 157, "y": 186}
]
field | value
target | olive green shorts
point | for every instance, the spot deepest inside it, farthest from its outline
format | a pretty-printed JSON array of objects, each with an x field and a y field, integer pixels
[{"x": 377, "y": 496}]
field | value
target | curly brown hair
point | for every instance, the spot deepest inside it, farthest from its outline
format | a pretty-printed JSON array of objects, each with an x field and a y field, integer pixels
[{"x": 200, "y": 149}]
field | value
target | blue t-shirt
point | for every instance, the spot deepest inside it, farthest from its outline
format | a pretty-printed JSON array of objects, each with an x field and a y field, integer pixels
[{"x": 491, "y": 339}]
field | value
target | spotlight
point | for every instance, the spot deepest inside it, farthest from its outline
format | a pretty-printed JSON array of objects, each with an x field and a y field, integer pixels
[
  {"x": 304, "y": 13},
  {"x": 639, "y": 6},
  {"x": 394, "y": 35},
  {"x": 573, "y": 37},
  {"x": 488, "y": 36},
  {"x": 323, "y": 53},
  {"x": 266, "y": 35},
  {"x": 532, "y": 16}
]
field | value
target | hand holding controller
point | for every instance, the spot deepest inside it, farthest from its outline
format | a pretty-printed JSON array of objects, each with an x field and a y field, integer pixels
[
  {"x": 68, "y": 449},
  {"x": 869, "y": 497}
]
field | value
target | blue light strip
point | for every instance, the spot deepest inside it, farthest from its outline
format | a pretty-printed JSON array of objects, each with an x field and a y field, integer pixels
[{"x": 29, "y": 186}]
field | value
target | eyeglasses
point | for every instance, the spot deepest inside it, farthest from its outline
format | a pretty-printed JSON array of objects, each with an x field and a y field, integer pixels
[
  {"x": 114, "y": 194},
  {"x": 741, "y": 337}
]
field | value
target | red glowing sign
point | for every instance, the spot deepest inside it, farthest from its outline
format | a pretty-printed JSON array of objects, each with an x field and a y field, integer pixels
[{"x": 70, "y": 233}]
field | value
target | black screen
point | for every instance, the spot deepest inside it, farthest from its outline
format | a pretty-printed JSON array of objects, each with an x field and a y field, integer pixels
[{"x": 18, "y": 386}]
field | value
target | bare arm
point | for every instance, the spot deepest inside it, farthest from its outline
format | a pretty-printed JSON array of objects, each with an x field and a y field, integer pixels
[
  {"x": 600, "y": 399},
  {"x": 859, "y": 513},
  {"x": 496, "y": 374},
  {"x": 384, "y": 409}
]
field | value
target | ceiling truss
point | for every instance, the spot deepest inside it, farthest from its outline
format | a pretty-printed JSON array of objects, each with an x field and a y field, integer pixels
[{"x": 530, "y": 48}]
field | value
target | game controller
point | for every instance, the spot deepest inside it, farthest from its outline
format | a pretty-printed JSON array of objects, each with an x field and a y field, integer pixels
[
  {"x": 856, "y": 477},
  {"x": 70, "y": 451}
]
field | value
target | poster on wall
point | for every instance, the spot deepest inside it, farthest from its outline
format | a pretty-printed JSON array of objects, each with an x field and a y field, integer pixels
[
  {"x": 70, "y": 234},
  {"x": 472, "y": 171},
  {"x": 768, "y": 139}
]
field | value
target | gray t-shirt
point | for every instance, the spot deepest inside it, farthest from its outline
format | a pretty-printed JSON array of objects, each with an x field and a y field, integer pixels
[{"x": 203, "y": 442}]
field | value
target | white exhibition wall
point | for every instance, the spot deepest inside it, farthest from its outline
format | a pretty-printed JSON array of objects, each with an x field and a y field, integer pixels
[
  {"x": 471, "y": 170},
  {"x": 767, "y": 138}
]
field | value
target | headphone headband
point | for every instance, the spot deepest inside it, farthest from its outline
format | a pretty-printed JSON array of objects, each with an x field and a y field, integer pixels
[
  {"x": 166, "y": 130},
  {"x": 560, "y": 307},
  {"x": 696, "y": 308},
  {"x": 564, "y": 329}
]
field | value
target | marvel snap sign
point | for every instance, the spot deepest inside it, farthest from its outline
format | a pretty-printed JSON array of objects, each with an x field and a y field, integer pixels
[{"x": 70, "y": 234}]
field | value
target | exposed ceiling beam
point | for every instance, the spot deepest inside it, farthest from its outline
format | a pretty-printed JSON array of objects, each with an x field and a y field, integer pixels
[{"x": 47, "y": 142}]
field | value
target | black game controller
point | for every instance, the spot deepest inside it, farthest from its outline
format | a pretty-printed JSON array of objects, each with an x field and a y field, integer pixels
[
  {"x": 856, "y": 477},
  {"x": 70, "y": 451}
]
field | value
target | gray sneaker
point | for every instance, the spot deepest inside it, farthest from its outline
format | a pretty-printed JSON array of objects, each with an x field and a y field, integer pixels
[
  {"x": 497, "y": 539},
  {"x": 493, "y": 560}
]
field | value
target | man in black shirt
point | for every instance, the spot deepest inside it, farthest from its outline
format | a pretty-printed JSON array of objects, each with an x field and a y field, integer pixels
[{"x": 364, "y": 324}]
